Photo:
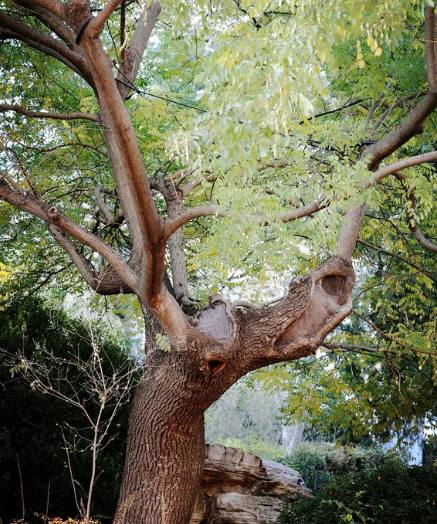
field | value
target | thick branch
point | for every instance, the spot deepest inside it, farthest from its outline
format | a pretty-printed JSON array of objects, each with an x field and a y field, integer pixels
[
  {"x": 48, "y": 17},
  {"x": 413, "y": 124},
  {"x": 133, "y": 187},
  {"x": 15, "y": 29},
  {"x": 45, "y": 114},
  {"x": 392, "y": 169},
  {"x": 295, "y": 326},
  {"x": 177, "y": 254},
  {"x": 52, "y": 6},
  {"x": 134, "y": 53}
]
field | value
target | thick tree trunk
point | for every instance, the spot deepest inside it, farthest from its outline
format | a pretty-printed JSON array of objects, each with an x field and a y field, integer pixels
[{"x": 165, "y": 448}]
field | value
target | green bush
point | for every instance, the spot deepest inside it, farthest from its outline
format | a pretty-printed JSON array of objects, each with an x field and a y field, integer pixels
[
  {"x": 391, "y": 494},
  {"x": 318, "y": 462}
]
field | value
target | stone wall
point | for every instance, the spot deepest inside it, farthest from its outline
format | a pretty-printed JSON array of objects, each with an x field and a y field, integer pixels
[{"x": 241, "y": 488}]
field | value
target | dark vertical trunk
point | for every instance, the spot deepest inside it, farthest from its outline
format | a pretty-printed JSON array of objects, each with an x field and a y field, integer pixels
[{"x": 165, "y": 448}]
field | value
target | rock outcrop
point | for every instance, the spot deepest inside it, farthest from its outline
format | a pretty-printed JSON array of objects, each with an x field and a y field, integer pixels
[{"x": 241, "y": 488}]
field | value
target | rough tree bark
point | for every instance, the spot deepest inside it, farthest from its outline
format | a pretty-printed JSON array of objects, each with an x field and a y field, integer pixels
[
  {"x": 165, "y": 443},
  {"x": 213, "y": 349}
]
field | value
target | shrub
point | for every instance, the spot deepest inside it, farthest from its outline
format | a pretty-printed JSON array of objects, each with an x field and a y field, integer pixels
[
  {"x": 31, "y": 445},
  {"x": 318, "y": 462},
  {"x": 391, "y": 494}
]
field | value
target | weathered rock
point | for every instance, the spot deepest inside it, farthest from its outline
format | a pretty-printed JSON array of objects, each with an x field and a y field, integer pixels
[{"x": 241, "y": 488}]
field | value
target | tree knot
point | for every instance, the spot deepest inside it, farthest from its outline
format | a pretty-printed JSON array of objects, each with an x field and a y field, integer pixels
[{"x": 53, "y": 213}]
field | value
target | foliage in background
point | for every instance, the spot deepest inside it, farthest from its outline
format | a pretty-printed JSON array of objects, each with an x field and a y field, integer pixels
[
  {"x": 30, "y": 423},
  {"x": 390, "y": 494},
  {"x": 248, "y": 418},
  {"x": 253, "y": 105}
]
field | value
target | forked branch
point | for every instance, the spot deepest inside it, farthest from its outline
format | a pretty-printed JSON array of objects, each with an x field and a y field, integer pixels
[
  {"x": 411, "y": 126},
  {"x": 95, "y": 27},
  {"x": 53, "y": 217}
]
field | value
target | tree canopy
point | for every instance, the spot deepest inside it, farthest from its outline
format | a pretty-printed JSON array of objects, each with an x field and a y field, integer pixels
[{"x": 178, "y": 150}]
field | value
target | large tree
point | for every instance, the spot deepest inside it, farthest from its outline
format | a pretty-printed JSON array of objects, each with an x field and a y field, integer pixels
[{"x": 253, "y": 151}]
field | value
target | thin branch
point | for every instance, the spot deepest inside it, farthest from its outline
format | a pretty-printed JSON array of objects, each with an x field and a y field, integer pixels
[
  {"x": 398, "y": 257},
  {"x": 214, "y": 209},
  {"x": 134, "y": 53},
  {"x": 371, "y": 350},
  {"x": 348, "y": 104},
  {"x": 52, "y": 216},
  {"x": 430, "y": 45},
  {"x": 46, "y": 114},
  {"x": 82, "y": 265},
  {"x": 95, "y": 27},
  {"x": 392, "y": 169},
  {"x": 388, "y": 337}
]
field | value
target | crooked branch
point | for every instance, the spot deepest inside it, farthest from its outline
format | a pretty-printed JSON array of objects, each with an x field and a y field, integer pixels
[
  {"x": 46, "y": 114},
  {"x": 214, "y": 209}
]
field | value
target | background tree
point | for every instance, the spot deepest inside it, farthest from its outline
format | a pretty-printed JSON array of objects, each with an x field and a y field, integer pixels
[{"x": 249, "y": 146}]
